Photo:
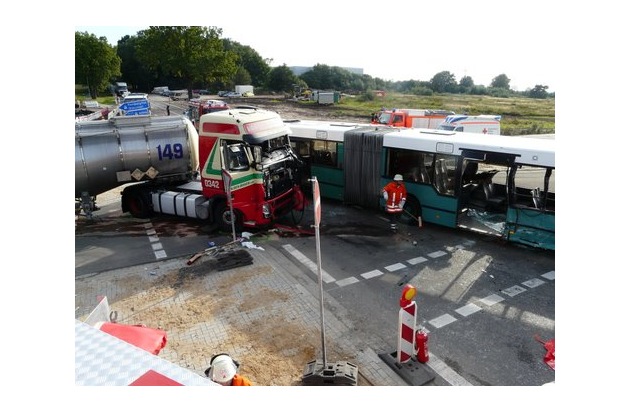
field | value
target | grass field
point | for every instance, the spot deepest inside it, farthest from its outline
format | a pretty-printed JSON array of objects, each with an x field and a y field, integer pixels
[{"x": 519, "y": 115}]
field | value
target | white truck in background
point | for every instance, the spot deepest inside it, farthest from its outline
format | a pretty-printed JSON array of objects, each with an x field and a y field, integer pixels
[
  {"x": 119, "y": 89},
  {"x": 244, "y": 88},
  {"x": 486, "y": 124}
]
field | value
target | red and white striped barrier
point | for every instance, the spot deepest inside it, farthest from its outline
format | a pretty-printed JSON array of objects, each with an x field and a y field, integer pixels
[{"x": 406, "y": 336}]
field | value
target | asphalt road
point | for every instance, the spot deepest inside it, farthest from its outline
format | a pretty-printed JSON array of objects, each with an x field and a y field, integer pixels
[{"x": 483, "y": 303}]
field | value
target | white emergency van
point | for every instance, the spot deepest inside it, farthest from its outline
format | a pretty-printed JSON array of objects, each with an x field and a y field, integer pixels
[{"x": 486, "y": 124}]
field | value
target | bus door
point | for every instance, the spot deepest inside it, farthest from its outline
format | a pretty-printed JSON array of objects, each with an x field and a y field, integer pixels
[
  {"x": 530, "y": 216},
  {"x": 483, "y": 189},
  {"x": 430, "y": 182}
]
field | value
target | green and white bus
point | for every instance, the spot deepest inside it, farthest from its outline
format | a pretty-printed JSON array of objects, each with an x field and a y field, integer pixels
[{"x": 502, "y": 186}]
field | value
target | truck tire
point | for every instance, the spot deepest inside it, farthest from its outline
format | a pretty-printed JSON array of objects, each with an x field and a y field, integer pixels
[
  {"x": 223, "y": 217},
  {"x": 137, "y": 203}
]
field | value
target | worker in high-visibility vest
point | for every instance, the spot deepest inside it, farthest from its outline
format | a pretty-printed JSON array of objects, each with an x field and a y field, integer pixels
[
  {"x": 395, "y": 195},
  {"x": 223, "y": 370}
]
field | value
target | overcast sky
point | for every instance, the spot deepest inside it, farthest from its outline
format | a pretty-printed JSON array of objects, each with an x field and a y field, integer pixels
[{"x": 393, "y": 41}]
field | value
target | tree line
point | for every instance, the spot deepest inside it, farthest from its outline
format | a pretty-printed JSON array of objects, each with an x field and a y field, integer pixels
[{"x": 196, "y": 57}]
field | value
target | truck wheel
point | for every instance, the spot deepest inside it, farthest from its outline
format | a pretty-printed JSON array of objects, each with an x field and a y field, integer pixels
[
  {"x": 223, "y": 217},
  {"x": 138, "y": 205}
]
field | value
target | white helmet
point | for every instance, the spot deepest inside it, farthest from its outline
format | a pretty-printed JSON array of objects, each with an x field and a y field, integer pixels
[
  {"x": 398, "y": 178},
  {"x": 222, "y": 369}
]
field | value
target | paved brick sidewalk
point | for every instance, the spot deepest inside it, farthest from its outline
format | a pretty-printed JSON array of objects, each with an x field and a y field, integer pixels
[{"x": 300, "y": 306}]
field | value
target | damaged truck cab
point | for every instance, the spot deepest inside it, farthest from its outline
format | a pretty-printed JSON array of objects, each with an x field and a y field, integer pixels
[{"x": 252, "y": 146}]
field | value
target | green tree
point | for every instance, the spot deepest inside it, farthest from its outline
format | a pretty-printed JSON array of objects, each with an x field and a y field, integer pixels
[
  {"x": 242, "y": 76},
  {"x": 538, "y": 92},
  {"x": 249, "y": 59},
  {"x": 444, "y": 82},
  {"x": 466, "y": 84},
  {"x": 282, "y": 79},
  {"x": 322, "y": 76},
  {"x": 501, "y": 82},
  {"x": 136, "y": 74},
  {"x": 192, "y": 54},
  {"x": 95, "y": 62}
]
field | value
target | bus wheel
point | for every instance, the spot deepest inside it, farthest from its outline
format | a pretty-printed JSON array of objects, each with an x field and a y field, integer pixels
[
  {"x": 412, "y": 211},
  {"x": 223, "y": 217}
]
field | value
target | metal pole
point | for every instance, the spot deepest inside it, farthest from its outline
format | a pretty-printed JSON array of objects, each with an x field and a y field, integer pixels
[
  {"x": 317, "y": 210},
  {"x": 321, "y": 293},
  {"x": 233, "y": 218}
]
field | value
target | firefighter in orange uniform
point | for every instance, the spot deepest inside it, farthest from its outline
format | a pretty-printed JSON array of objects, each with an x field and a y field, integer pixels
[
  {"x": 395, "y": 195},
  {"x": 223, "y": 370}
]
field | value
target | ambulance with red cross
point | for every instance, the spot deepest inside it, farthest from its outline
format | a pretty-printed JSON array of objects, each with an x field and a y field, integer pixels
[{"x": 486, "y": 124}]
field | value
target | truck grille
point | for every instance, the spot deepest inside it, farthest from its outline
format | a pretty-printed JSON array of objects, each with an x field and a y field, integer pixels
[{"x": 277, "y": 181}]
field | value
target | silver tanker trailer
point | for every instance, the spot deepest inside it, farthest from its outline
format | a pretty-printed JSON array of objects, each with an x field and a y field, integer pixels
[{"x": 128, "y": 149}]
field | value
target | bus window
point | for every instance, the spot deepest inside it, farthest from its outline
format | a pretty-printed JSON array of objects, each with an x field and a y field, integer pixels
[
  {"x": 301, "y": 148},
  {"x": 530, "y": 183},
  {"x": 444, "y": 177},
  {"x": 325, "y": 153}
]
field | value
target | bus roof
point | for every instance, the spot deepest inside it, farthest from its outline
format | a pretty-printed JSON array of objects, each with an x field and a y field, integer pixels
[
  {"x": 536, "y": 150},
  {"x": 317, "y": 129},
  {"x": 529, "y": 149}
]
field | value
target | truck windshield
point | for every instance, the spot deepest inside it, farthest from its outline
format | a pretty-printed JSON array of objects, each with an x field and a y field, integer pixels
[
  {"x": 236, "y": 157},
  {"x": 383, "y": 118}
]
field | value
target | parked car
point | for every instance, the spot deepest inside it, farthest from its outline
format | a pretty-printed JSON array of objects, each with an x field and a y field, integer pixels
[
  {"x": 232, "y": 94},
  {"x": 159, "y": 89},
  {"x": 248, "y": 94},
  {"x": 200, "y": 92},
  {"x": 222, "y": 93}
]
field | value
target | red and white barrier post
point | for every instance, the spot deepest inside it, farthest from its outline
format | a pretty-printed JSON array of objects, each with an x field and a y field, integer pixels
[{"x": 406, "y": 324}]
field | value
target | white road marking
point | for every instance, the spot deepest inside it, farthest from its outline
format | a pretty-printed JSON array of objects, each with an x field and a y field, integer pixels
[
  {"x": 417, "y": 260},
  {"x": 308, "y": 263},
  {"x": 550, "y": 275},
  {"x": 371, "y": 274},
  {"x": 514, "y": 290},
  {"x": 468, "y": 309},
  {"x": 443, "y": 320},
  {"x": 347, "y": 281},
  {"x": 436, "y": 254},
  {"x": 158, "y": 249},
  {"x": 395, "y": 267},
  {"x": 492, "y": 299},
  {"x": 532, "y": 283}
]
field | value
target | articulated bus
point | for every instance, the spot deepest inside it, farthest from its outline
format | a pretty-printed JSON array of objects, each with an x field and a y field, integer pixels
[{"x": 502, "y": 186}]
